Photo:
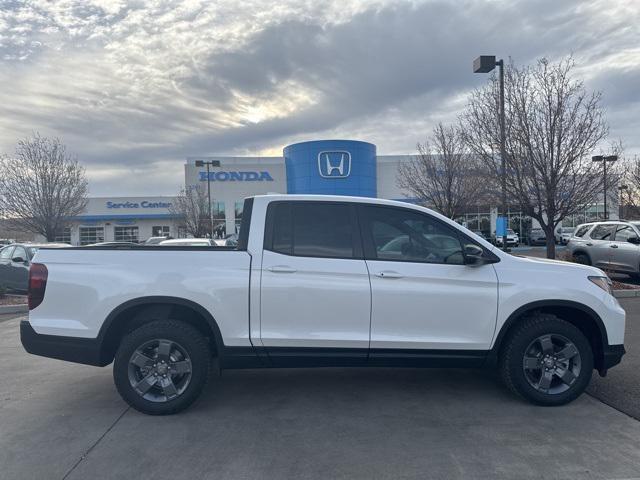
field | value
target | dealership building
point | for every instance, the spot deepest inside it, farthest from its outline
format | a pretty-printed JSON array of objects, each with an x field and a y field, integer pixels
[{"x": 331, "y": 167}]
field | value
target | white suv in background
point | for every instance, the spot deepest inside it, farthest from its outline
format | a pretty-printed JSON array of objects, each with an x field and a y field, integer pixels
[{"x": 512, "y": 239}]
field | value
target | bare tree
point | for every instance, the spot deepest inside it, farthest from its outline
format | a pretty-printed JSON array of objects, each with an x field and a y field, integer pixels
[
  {"x": 629, "y": 197},
  {"x": 553, "y": 125},
  {"x": 443, "y": 175},
  {"x": 191, "y": 206},
  {"x": 41, "y": 186}
]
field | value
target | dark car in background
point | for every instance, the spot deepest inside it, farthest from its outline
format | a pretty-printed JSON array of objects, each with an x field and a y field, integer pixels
[{"x": 15, "y": 260}]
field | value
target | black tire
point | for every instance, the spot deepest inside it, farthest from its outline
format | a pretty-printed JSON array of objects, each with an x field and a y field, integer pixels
[
  {"x": 581, "y": 258},
  {"x": 188, "y": 344},
  {"x": 521, "y": 381}
]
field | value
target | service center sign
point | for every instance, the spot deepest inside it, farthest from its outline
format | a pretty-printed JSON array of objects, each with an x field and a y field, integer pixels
[
  {"x": 236, "y": 176},
  {"x": 143, "y": 204}
]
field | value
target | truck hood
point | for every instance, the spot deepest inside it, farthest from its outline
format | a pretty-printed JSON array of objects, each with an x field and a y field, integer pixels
[{"x": 557, "y": 264}]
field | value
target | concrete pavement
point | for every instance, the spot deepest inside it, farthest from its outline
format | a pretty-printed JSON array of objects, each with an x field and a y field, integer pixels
[{"x": 59, "y": 420}]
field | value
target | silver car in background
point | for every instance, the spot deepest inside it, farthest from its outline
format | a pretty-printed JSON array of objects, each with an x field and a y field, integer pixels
[{"x": 612, "y": 246}]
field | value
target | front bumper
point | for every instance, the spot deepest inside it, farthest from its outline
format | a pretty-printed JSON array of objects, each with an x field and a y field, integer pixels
[
  {"x": 612, "y": 355},
  {"x": 71, "y": 349}
]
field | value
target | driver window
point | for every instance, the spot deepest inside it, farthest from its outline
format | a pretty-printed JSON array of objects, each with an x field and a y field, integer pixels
[{"x": 403, "y": 235}]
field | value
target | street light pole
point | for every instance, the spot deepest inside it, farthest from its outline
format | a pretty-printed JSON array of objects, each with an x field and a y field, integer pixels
[
  {"x": 604, "y": 160},
  {"x": 485, "y": 64},
  {"x": 209, "y": 163}
]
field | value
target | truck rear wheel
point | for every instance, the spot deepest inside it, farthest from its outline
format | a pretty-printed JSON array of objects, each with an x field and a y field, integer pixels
[
  {"x": 546, "y": 360},
  {"x": 162, "y": 367}
]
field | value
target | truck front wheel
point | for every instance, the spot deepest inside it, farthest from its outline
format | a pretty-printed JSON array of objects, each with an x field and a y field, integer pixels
[
  {"x": 162, "y": 367},
  {"x": 546, "y": 360}
]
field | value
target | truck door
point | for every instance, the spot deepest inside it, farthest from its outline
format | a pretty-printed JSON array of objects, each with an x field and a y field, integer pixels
[
  {"x": 315, "y": 299},
  {"x": 424, "y": 297}
]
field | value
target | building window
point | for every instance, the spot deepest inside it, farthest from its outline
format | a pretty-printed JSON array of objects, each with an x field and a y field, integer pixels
[
  {"x": 126, "y": 234},
  {"x": 217, "y": 210},
  {"x": 238, "y": 214},
  {"x": 161, "y": 231},
  {"x": 63, "y": 235},
  {"x": 90, "y": 235},
  {"x": 219, "y": 225}
]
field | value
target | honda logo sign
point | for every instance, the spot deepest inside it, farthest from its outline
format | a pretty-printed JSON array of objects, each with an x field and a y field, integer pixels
[{"x": 334, "y": 164}]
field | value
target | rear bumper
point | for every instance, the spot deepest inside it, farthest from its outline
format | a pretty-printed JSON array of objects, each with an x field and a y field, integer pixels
[
  {"x": 612, "y": 355},
  {"x": 71, "y": 349}
]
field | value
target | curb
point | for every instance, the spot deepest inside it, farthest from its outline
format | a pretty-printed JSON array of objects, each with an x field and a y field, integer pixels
[
  {"x": 4, "y": 309},
  {"x": 626, "y": 293}
]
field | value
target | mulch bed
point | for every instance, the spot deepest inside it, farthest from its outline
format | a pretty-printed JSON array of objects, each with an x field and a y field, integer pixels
[
  {"x": 13, "y": 300},
  {"x": 624, "y": 286}
]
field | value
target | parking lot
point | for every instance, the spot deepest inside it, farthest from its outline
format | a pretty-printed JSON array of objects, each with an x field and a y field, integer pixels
[{"x": 60, "y": 420}]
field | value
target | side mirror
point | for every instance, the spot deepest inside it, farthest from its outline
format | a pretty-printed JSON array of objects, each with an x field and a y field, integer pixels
[
  {"x": 634, "y": 240},
  {"x": 473, "y": 254},
  {"x": 18, "y": 260}
]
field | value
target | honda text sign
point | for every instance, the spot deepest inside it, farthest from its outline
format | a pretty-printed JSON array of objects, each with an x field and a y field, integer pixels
[{"x": 334, "y": 164}]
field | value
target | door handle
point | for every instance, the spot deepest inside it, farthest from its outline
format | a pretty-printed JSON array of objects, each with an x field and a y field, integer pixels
[
  {"x": 589, "y": 244},
  {"x": 613, "y": 246},
  {"x": 389, "y": 274},
  {"x": 281, "y": 269}
]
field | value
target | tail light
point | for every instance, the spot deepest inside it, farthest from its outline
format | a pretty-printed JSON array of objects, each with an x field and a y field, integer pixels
[{"x": 38, "y": 274}]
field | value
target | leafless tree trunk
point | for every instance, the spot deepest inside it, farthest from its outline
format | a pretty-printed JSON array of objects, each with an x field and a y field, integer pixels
[
  {"x": 443, "y": 175},
  {"x": 191, "y": 206},
  {"x": 553, "y": 126},
  {"x": 41, "y": 186}
]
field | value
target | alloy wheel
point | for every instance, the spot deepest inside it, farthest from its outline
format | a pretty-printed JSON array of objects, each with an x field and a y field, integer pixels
[
  {"x": 551, "y": 364},
  {"x": 159, "y": 370}
]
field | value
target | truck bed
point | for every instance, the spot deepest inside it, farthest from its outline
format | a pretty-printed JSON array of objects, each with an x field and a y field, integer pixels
[{"x": 86, "y": 284}]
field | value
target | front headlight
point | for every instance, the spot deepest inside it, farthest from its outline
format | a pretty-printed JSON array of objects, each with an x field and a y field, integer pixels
[{"x": 603, "y": 282}]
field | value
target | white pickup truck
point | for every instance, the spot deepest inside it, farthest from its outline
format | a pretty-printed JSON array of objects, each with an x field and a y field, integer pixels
[{"x": 323, "y": 281}]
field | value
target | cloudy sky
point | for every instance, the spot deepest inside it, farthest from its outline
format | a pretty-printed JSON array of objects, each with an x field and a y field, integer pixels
[{"x": 134, "y": 87}]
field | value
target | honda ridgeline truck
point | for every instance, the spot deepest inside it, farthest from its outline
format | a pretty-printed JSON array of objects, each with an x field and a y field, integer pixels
[{"x": 320, "y": 281}]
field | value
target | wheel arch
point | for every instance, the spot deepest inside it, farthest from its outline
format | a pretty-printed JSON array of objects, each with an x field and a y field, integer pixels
[
  {"x": 136, "y": 312},
  {"x": 580, "y": 251},
  {"x": 578, "y": 314}
]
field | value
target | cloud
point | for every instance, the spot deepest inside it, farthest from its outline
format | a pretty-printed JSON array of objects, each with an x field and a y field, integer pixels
[{"x": 138, "y": 86}]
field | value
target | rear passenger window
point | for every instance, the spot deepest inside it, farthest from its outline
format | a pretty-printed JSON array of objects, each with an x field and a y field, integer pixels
[
  {"x": 312, "y": 229},
  {"x": 602, "y": 232},
  {"x": 282, "y": 228}
]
